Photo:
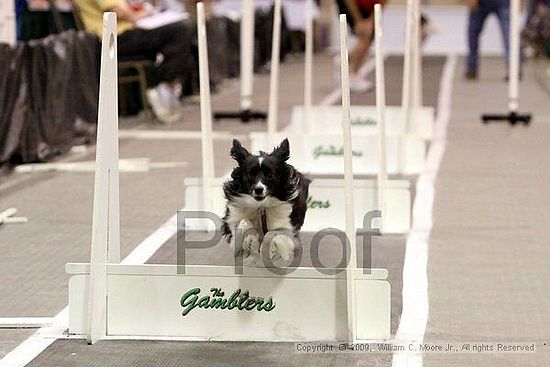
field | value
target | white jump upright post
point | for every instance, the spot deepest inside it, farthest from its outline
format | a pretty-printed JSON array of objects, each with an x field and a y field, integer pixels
[
  {"x": 411, "y": 99},
  {"x": 308, "y": 72},
  {"x": 348, "y": 182},
  {"x": 382, "y": 174},
  {"x": 106, "y": 218},
  {"x": 206, "y": 111},
  {"x": 408, "y": 94},
  {"x": 513, "y": 63},
  {"x": 8, "y": 33},
  {"x": 513, "y": 116},
  {"x": 247, "y": 54},
  {"x": 273, "y": 113},
  {"x": 406, "y": 91},
  {"x": 417, "y": 62}
]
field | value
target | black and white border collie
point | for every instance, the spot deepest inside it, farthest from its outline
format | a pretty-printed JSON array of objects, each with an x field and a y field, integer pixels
[{"x": 266, "y": 202}]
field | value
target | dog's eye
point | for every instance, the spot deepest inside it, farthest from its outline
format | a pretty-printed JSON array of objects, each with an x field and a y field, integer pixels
[{"x": 269, "y": 174}]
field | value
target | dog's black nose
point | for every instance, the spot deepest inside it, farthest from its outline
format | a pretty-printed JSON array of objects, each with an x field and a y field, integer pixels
[{"x": 258, "y": 191}]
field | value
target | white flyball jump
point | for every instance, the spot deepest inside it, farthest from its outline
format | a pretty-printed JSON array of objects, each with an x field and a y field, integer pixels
[
  {"x": 7, "y": 23},
  {"x": 110, "y": 300},
  {"x": 315, "y": 132},
  {"x": 326, "y": 202}
]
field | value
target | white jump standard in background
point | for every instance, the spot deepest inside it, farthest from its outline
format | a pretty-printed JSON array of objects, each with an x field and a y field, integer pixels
[
  {"x": 314, "y": 131},
  {"x": 112, "y": 300}
]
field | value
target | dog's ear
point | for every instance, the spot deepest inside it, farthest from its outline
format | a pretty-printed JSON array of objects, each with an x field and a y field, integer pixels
[
  {"x": 282, "y": 152},
  {"x": 238, "y": 153}
]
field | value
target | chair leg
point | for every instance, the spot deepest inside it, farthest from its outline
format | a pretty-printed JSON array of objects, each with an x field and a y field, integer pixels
[
  {"x": 143, "y": 88},
  {"x": 122, "y": 99}
]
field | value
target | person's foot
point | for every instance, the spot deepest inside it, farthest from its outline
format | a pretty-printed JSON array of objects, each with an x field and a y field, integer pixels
[
  {"x": 471, "y": 75},
  {"x": 161, "y": 110},
  {"x": 169, "y": 95},
  {"x": 358, "y": 84},
  {"x": 507, "y": 78}
]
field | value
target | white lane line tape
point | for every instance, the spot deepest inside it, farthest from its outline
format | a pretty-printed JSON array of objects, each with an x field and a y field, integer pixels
[
  {"x": 334, "y": 96},
  {"x": 152, "y": 243},
  {"x": 37, "y": 342},
  {"x": 25, "y": 322},
  {"x": 414, "y": 317},
  {"x": 173, "y": 135},
  {"x": 7, "y": 216},
  {"x": 131, "y": 165}
]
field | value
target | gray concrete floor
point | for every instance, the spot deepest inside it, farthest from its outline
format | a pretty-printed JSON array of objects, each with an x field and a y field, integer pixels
[{"x": 489, "y": 254}]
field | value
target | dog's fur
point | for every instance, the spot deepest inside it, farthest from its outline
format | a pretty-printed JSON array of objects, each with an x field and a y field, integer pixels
[{"x": 265, "y": 183}]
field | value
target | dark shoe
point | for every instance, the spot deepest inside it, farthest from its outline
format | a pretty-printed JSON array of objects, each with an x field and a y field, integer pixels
[
  {"x": 471, "y": 75},
  {"x": 520, "y": 78}
]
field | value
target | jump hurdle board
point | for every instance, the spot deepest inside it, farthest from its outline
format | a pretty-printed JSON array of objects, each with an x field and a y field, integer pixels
[
  {"x": 145, "y": 300},
  {"x": 325, "y": 204},
  {"x": 322, "y": 153},
  {"x": 363, "y": 120}
]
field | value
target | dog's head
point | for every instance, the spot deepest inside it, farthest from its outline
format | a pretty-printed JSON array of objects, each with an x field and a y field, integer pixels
[{"x": 263, "y": 175}]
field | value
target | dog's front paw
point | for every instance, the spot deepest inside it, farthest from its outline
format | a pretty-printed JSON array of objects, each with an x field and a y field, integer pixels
[
  {"x": 252, "y": 259},
  {"x": 251, "y": 244},
  {"x": 246, "y": 239},
  {"x": 278, "y": 249}
]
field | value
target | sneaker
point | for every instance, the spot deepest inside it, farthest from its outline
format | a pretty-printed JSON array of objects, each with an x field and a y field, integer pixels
[
  {"x": 359, "y": 85},
  {"x": 169, "y": 96},
  {"x": 161, "y": 110},
  {"x": 471, "y": 75}
]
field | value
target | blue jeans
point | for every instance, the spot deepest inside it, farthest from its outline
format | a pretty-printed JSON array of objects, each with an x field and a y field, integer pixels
[{"x": 477, "y": 18}]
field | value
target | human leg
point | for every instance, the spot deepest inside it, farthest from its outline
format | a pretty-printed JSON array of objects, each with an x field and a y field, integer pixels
[{"x": 476, "y": 21}]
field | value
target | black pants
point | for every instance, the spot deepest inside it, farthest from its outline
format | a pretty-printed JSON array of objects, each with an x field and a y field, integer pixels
[
  {"x": 39, "y": 24},
  {"x": 173, "y": 42}
]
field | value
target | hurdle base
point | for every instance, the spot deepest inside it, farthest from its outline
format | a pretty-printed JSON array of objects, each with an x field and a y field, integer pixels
[
  {"x": 145, "y": 302},
  {"x": 243, "y": 115},
  {"x": 512, "y": 118}
]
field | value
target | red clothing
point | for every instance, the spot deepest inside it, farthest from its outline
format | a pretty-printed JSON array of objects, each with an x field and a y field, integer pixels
[{"x": 368, "y": 5}]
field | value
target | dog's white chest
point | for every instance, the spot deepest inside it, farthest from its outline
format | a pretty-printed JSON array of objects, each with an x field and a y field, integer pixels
[{"x": 276, "y": 216}]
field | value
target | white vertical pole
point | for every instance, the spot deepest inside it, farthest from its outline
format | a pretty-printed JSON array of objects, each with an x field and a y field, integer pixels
[
  {"x": 348, "y": 181},
  {"x": 381, "y": 109},
  {"x": 514, "y": 56},
  {"x": 406, "y": 91},
  {"x": 206, "y": 112},
  {"x": 417, "y": 71},
  {"x": 8, "y": 33},
  {"x": 247, "y": 54},
  {"x": 106, "y": 219},
  {"x": 308, "y": 72},
  {"x": 273, "y": 115}
]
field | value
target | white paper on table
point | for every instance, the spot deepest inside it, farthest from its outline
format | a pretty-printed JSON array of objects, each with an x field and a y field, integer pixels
[{"x": 161, "y": 19}]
